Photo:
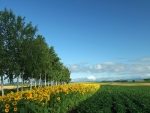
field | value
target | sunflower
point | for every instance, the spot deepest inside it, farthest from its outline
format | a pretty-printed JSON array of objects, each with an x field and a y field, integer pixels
[
  {"x": 3, "y": 98},
  {"x": 14, "y": 103},
  {"x": 40, "y": 97},
  {"x": 16, "y": 97},
  {"x": 47, "y": 98},
  {"x": 28, "y": 95},
  {"x": 7, "y": 106},
  {"x": 9, "y": 98},
  {"x": 15, "y": 109},
  {"x": 66, "y": 92},
  {"x": 57, "y": 91},
  {"x": 6, "y": 110},
  {"x": 58, "y": 98}
]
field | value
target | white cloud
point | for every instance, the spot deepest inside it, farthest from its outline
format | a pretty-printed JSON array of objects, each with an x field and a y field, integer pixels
[
  {"x": 114, "y": 70},
  {"x": 145, "y": 76},
  {"x": 98, "y": 67},
  {"x": 110, "y": 67},
  {"x": 74, "y": 67},
  {"x": 91, "y": 67},
  {"x": 140, "y": 68},
  {"x": 126, "y": 76},
  {"x": 142, "y": 60},
  {"x": 109, "y": 63},
  {"x": 91, "y": 78}
]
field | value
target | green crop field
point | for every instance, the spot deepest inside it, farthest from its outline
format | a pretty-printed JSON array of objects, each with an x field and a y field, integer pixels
[{"x": 117, "y": 99}]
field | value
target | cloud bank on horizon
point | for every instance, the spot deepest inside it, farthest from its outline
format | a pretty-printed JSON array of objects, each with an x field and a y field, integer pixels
[{"x": 138, "y": 68}]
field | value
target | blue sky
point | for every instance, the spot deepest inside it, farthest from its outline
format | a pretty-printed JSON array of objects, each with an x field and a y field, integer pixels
[{"x": 95, "y": 39}]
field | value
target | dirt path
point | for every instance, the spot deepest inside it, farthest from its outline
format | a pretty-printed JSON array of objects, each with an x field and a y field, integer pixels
[{"x": 9, "y": 87}]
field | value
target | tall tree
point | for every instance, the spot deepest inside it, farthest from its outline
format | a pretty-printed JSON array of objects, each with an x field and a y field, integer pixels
[
  {"x": 24, "y": 33},
  {"x": 7, "y": 20},
  {"x": 41, "y": 57},
  {"x": 13, "y": 31},
  {"x": 55, "y": 65}
]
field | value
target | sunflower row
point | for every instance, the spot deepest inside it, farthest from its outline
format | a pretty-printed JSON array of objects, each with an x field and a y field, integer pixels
[{"x": 36, "y": 99}]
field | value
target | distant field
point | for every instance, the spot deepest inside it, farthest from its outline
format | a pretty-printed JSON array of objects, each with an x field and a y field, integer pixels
[
  {"x": 102, "y": 83},
  {"x": 131, "y": 84},
  {"x": 118, "y": 83}
]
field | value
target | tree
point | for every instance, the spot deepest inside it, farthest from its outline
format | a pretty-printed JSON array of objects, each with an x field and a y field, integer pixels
[
  {"x": 6, "y": 30},
  {"x": 41, "y": 56},
  {"x": 25, "y": 32},
  {"x": 13, "y": 31},
  {"x": 55, "y": 66}
]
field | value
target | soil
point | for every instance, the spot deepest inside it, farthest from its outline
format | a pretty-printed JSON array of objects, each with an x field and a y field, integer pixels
[{"x": 9, "y": 87}]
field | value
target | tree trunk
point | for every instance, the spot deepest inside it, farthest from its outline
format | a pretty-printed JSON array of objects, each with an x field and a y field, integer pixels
[
  {"x": 51, "y": 83},
  {"x": 48, "y": 83},
  {"x": 40, "y": 80},
  {"x": 2, "y": 87},
  {"x": 30, "y": 84},
  {"x": 45, "y": 79},
  {"x": 22, "y": 83},
  {"x": 56, "y": 83},
  {"x": 17, "y": 84},
  {"x": 35, "y": 83}
]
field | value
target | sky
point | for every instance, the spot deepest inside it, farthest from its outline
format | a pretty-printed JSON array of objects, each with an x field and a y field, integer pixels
[{"x": 96, "y": 39}]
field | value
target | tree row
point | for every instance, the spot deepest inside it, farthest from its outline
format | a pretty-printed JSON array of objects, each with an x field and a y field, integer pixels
[{"x": 25, "y": 55}]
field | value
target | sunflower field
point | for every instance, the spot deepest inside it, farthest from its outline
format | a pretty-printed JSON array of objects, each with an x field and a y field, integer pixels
[{"x": 52, "y": 99}]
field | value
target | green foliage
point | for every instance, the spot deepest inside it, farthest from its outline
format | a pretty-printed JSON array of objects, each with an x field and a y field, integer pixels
[
  {"x": 66, "y": 102},
  {"x": 27, "y": 55},
  {"x": 117, "y": 99}
]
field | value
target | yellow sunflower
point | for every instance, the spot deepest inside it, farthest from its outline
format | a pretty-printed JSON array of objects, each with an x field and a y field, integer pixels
[
  {"x": 40, "y": 97},
  {"x": 15, "y": 109},
  {"x": 16, "y": 97},
  {"x": 6, "y": 110},
  {"x": 14, "y": 103},
  {"x": 7, "y": 106},
  {"x": 58, "y": 98},
  {"x": 28, "y": 95}
]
